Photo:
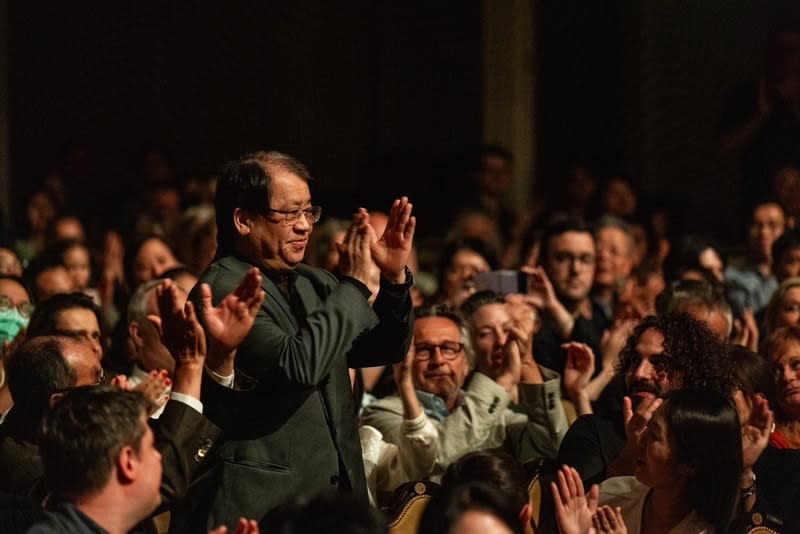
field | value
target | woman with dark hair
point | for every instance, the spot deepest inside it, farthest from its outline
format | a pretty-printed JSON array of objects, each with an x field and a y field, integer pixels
[
  {"x": 687, "y": 474},
  {"x": 471, "y": 507},
  {"x": 459, "y": 262}
]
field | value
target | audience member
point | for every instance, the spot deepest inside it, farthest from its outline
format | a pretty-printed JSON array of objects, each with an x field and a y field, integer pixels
[
  {"x": 662, "y": 353},
  {"x": 478, "y": 417},
  {"x": 751, "y": 285}
]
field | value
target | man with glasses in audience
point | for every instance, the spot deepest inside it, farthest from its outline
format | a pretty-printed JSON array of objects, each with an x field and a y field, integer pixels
[
  {"x": 291, "y": 419},
  {"x": 15, "y": 312},
  {"x": 560, "y": 288},
  {"x": 477, "y": 417}
]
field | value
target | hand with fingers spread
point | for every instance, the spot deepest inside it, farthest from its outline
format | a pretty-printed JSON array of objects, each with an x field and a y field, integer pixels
[
  {"x": 635, "y": 426},
  {"x": 574, "y": 509},
  {"x": 355, "y": 256},
  {"x": 231, "y": 320},
  {"x": 609, "y": 520},
  {"x": 390, "y": 251}
]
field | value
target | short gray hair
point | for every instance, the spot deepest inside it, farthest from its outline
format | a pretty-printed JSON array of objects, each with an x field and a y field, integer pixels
[{"x": 137, "y": 306}]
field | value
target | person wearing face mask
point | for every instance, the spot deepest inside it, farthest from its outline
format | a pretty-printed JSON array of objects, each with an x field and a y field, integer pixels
[{"x": 15, "y": 312}]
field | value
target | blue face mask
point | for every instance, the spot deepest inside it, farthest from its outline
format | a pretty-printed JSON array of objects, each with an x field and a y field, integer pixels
[{"x": 11, "y": 322}]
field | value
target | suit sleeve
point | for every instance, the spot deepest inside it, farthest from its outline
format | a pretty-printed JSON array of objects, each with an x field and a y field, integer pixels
[{"x": 183, "y": 436}]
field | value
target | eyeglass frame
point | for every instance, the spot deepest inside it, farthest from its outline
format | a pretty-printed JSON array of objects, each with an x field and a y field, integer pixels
[
  {"x": 441, "y": 346},
  {"x": 296, "y": 213},
  {"x": 10, "y": 304}
]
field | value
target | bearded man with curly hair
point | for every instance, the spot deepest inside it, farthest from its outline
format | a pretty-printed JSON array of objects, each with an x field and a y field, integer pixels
[{"x": 662, "y": 353}]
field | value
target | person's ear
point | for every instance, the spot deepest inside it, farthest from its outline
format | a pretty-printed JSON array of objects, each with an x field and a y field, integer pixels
[
  {"x": 242, "y": 221},
  {"x": 55, "y": 397},
  {"x": 127, "y": 462},
  {"x": 525, "y": 516},
  {"x": 135, "y": 334}
]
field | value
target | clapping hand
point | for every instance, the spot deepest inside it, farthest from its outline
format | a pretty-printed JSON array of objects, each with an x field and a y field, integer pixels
[
  {"x": 390, "y": 251},
  {"x": 579, "y": 367},
  {"x": 230, "y": 321},
  {"x": 574, "y": 509},
  {"x": 179, "y": 328}
]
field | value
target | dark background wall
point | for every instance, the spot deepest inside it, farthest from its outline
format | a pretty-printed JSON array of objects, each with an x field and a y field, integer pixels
[
  {"x": 381, "y": 97},
  {"x": 353, "y": 89}
]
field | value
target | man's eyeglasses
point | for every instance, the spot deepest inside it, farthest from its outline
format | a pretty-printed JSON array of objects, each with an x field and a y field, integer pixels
[
  {"x": 449, "y": 349},
  {"x": 24, "y": 308},
  {"x": 291, "y": 217}
]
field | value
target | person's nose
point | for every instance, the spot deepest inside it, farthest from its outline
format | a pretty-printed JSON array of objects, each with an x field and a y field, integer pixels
[
  {"x": 643, "y": 371},
  {"x": 501, "y": 337},
  {"x": 437, "y": 357},
  {"x": 303, "y": 224}
]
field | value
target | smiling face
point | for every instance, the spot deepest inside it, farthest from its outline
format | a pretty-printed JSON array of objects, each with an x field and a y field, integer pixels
[
  {"x": 154, "y": 257},
  {"x": 614, "y": 256},
  {"x": 786, "y": 365},
  {"x": 788, "y": 312},
  {"x": 275, "y": 245},
  {"x": 648, "y": 376},
  {"x": 491, "y": 325},
  {"x": 439, "y": 375}
]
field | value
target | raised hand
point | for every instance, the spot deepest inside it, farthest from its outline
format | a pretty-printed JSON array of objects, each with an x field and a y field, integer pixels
[
  {"x": 541, "y": 293},
  {"x": 579, "y": 367},
  {"x": 230, "y": 321},
  {"x": 390, "y": 251},
  {"x": 756, "y": 431},
  {"x": 355, "y": 255},
  {"x": 574, "y": 509},
  {"x": 154, "y": 387},
  {"x": 405, "y": 386},
  {"x": 510, "y": 373},
  {"x": 745, "y": 331},
  {"x": 178, "y": 327},
  {"x": 636, "y": 421}
]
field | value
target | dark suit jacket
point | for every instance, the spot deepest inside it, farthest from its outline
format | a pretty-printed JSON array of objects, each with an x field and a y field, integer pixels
[
  {"x": 294, "y": 431},
  {"x": 182, "y": 436}
]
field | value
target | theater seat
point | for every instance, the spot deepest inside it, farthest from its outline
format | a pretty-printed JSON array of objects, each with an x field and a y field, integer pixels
[{"x": 407, "y": 504}]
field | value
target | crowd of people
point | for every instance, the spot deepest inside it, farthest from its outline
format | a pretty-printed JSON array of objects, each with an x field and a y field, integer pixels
[{"x": 221, "y": 356}]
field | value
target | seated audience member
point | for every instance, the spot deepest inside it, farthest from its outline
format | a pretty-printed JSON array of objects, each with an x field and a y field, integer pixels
[
  {"x": 75, "y": 257},
  {"x": 387, "y": 465},
  {"x": 102, "y": 465},
  {"x": 459, "y": 262},
  {"x": 786, "y": 255},
  {"x": 148, "y": 353},
  {"x": 773, "y": 467},
  {"x": 615, "y": 250},
  {"x": 10, "y": 265},
  {"x": 561, "y": 288},
  {"x": 473, "y": 507},
  {"x": 782, "y": 350},
  {"x": 784, "y": 306},
  {"x": 66, "y": 228},
  {"x": 69, "y": 314},
  {"x": 694, "y": 258},
  {"x": 39, "y": 368},
  {"x": 497, "y": 469},
  {"x": 494, "y": 325},
  {"x": 147, "y": 259},
  {"x": 477, "y": 418},
  {"x": 15, "y": 312},
  {"x": 701, "y": 300},
  {"x": 686, "y": 478},
  {"x": 662, "y": 353},
  {"x": 649, "y": 282},
  {"x": 751, "y": 285},
  {"x": 46, "y": 276}
]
